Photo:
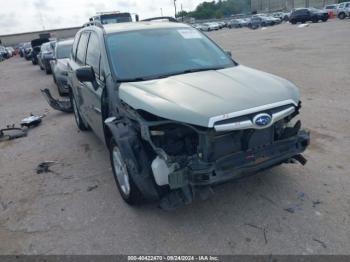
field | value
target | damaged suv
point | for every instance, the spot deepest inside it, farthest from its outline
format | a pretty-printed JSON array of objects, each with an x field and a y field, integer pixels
[{"x": 177, "y": 113}]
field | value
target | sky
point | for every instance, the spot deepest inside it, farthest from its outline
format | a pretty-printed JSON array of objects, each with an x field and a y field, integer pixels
[{"x": 17, "y": 16}]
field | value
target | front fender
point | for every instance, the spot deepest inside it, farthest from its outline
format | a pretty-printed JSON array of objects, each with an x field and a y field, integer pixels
[{"x": 136, "y": 159}]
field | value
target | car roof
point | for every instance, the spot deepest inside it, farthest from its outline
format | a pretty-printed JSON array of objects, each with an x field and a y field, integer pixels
[{"x": 134, "y": 26}]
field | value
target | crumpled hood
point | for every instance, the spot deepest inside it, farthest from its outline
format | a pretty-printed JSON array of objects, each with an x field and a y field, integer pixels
[{"x": 202, "y": 97}]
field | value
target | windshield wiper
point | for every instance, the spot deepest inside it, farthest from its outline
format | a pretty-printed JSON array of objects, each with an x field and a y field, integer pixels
[
  {"x": 201, "y": 69},
  {"x": 188, "y": 71}
]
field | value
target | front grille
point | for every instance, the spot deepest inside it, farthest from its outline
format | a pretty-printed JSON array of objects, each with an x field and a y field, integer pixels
[{"x": 251, "y": 116}]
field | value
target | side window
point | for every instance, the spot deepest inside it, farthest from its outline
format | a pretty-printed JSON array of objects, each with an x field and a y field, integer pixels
[
  {"x": 81, "y": 52},
  {"x": 348, "y": 5},
  {"x": 93, "y": 53},
  {"x": 74, "y": 47}
]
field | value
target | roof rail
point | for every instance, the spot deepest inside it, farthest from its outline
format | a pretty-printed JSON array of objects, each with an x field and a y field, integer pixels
[
  {"x": 169, "y": 18},
  {"x": 93, "y": 23}
]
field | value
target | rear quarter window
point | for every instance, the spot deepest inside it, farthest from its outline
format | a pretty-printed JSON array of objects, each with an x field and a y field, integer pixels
[{"x": 81, "y": 51}]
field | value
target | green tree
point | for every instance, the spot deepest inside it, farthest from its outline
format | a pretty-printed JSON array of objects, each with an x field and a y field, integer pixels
[{"x": 220, "y": 9}]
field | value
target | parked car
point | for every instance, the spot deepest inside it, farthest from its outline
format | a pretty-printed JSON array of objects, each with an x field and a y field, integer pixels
[
  {"x": 343, "y": 10},
  {"x": 222, "y": 24},
  {"x": 236, "y": 23},
  {"x": 11, "y": 51},
  {"x": 268, "y": 20},
  {"x": 113, "y": 17},
  {"x": 308, "y": 14},
  {"x": 36, "y": 47},
  {"x": 331, "y": 9},
  {"x": 201, "y": 27},
  {"x": 205, "y": 27},
  {"x": 45, "y": 56},
  {"x": 281, "y": 15},
  {"x": 213, "y": 26},
  {"x": 59, "y": 65},
  {"x": 3, "y": 53},
  {"x": 257, "y": 21},
  {"x": 20, "y": 49},
  {"x": 171, "y": 133},
  {"x": 26, "y": 51},
  {"x": 245, "y": 21}
]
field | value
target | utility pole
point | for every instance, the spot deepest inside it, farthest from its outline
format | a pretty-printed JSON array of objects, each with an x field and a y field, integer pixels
[{"x": 175, "y": 7}]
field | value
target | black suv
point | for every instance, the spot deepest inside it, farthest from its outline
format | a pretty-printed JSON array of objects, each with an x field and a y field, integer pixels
[
  {"x": 308, "y": 14},
  {"x": 36, "y": 47}
]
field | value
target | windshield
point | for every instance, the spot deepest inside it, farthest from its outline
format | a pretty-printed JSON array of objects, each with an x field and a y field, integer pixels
[
  {"x": 147, "y": 54},
  {"x": 63, "y": 51}
]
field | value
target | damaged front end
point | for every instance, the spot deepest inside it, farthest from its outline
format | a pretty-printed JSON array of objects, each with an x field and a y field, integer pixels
[{"x": 190, "y": 159}]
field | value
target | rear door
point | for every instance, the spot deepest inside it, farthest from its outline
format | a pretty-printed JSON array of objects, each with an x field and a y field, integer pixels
[
  {"x": 93, "y": 91},
  {"x": 79, "y": 61}
]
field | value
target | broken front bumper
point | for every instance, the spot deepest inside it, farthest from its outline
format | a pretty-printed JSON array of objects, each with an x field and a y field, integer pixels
[{"x": 236, "y": 165}]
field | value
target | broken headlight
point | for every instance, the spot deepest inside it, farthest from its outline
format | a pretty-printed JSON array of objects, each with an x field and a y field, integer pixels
[{"x": 175, "y": 139}]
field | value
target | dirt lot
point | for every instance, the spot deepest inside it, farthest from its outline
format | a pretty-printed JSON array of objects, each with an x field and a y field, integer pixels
[{"x": 287, "y": 210}]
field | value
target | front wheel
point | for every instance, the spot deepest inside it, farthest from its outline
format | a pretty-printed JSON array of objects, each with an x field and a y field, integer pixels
[
  {"x": 293, "y": 22},
  {"x": 126, "y": 186},
  {"x": 341, "y": 16},
  {"x": 324, "y": 19}
]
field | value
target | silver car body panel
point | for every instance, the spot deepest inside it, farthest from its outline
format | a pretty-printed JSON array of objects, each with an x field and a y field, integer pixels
[{"x": 203, "y": 98}]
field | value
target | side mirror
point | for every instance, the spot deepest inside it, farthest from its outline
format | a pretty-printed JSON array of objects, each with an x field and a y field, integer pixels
[
  {"x": 85, "y": 74},
  {"x": 229, "y": 53}
]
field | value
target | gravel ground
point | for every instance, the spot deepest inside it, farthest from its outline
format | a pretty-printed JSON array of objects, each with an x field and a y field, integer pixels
[{"x": 290, "y": 209}]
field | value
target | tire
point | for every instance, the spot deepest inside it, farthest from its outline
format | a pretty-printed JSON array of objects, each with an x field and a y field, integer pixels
[
  {"x": 315, "y": 20},
  {"x": 324, "y": 19},
  {"x": 121, "y": 172},
  {"x": 47, "y": 71},
  {"x": 78, "y": 119},
  {"x": 341, "y": 16},
  {"x": 293, "y": 22}
]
